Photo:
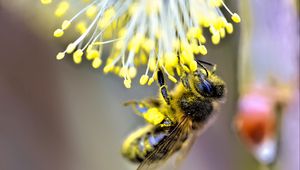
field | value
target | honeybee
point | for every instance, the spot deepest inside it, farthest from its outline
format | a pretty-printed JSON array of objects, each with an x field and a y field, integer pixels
[{"x": 173, "y": 119}]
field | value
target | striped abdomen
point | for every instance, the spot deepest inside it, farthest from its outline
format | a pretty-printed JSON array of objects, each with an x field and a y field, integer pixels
[{"x": 143, "y": 141}]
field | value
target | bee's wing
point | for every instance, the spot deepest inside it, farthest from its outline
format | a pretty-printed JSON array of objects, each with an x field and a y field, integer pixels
[
  {"x": 186, "y": 147},
  {"x": 192, "y": 138},
  {"x": 167, "y": 147}
]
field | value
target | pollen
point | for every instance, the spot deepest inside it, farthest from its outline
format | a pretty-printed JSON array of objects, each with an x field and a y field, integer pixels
[
  {"x": 71, "y": 47},
  {"x": 60, "y": 55},
  {"x": 215, "y": 38},
  {"x": 154, "y": 116},
  {"x": 132, "y": 72},
  {"x": 46, "y": 2},
  {"x": 229, "y": 28},
  {"x": 236, "y": 18},
  {"x": 151, "y": 80},
  {"x": 127, "y": 83},
  {"x": 144, "y": 79},
  {"x": 65, "y": 24},
  {"x": 193, "y": 66},
  {"x": 108, "y": 68},
  {"x": 96, "y": 63},
  {"x": 202, "y": 50},
  {"x": 158, "y": 35},
  {"x": 58, "y": 33},
  {"x": 77, "y": 56},
  {"x": 92, "y": 54},
  {"x": 62, "y": 8},
  {"x": 91, "y": 11}
]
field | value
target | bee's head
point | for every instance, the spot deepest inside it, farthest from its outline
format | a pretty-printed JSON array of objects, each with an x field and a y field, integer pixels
[{"x": 207, "y": 84}]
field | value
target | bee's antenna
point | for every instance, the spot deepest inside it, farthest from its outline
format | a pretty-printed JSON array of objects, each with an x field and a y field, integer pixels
[
  {"x": 207, "y": 63},
  {"x": 214, "y": 66},
  {"x": 201, "y": 65},
  {"x": 130, "y": 103}
]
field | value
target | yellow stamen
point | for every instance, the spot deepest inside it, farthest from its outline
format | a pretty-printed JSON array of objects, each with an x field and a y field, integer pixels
[
  {"x": 144, "y": 79},
  {"x": 236, "y": 18}
]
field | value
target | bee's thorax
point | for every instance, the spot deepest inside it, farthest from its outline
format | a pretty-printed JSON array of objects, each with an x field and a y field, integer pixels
[{"x": 198, "y": 109}]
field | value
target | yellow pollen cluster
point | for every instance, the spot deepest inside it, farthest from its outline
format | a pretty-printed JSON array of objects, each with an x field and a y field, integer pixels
[{"x": 162, "y": 35}]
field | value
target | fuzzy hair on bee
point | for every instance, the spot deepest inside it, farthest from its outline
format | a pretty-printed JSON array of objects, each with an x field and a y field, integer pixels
[{"x": 175, "y": 118}]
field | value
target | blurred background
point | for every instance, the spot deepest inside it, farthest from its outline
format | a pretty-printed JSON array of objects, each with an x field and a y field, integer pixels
[{"x": 58, "y": 115}]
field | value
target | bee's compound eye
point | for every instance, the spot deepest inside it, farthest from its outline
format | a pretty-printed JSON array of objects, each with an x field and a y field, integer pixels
[
  {"x": 208, "y": 89},
  {"x": 205, "y": 88}
]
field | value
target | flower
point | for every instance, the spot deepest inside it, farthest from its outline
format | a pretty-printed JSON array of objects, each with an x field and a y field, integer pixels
[
  {"x": 164, "y": 35},
  {"x": 256, "y": 126},
  {"x": 258, "y": 120}
]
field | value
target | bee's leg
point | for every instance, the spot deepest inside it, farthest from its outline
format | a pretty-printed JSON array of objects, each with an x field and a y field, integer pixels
[
  {"x": 185, "y": 80},
  {"x": 139, "y": 108},
  {"x": 148, "y": 110},
  {"x": 184, "y": 75},
  {"x": 163, "y": 87}
]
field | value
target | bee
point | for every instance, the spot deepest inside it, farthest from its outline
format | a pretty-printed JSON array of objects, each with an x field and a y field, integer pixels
[{"x": 174, "y": 119}]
